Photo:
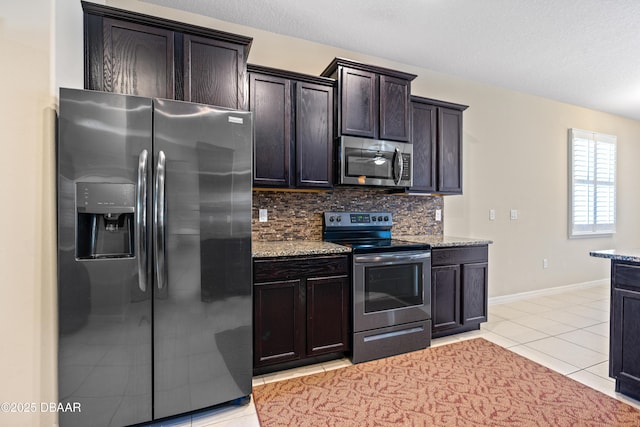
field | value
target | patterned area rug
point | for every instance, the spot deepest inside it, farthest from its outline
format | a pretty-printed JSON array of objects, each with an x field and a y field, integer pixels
[{"x": 468, "y": 383}]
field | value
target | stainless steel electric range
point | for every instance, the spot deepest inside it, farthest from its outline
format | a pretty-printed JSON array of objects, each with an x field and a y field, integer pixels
[{"x": 391, "y": 293}]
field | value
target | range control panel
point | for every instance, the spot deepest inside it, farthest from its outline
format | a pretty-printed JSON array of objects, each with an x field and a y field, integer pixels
[{"x": 357, "y": 219}]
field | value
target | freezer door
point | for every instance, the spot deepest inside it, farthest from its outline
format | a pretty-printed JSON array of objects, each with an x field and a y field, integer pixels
[
  {"x": 202, "y": 247},
  {"x": 104, "y": 304}
]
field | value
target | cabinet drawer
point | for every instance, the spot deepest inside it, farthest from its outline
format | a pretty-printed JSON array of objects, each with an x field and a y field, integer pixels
[
  {"x": 626, "y": 276},
  {"x": 461, "y": 255},
  {"x": 269, "y": 269}
]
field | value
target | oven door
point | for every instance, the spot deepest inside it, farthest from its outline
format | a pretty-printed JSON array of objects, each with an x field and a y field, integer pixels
[{"x": 391, "y": 288}]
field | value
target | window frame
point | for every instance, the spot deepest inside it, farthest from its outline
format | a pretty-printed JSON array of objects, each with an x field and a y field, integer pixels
[{"x": 593, "y": 228}]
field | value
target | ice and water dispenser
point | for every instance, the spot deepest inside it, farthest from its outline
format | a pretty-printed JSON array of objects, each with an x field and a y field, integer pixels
[{"x": 105, "y": 223}]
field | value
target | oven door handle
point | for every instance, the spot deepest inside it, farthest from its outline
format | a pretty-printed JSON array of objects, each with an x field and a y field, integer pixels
[{"x": 396, "y": 257}]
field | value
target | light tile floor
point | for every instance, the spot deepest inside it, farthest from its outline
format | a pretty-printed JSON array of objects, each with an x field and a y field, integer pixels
[{"x": 567, "y": 332}]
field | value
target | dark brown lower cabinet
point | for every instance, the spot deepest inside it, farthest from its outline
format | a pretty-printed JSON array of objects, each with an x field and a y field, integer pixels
[
  {"x": 301, "y": 310},
  {"x": 445, "y": 298},
  {"x": 624, "y": 357},
  {"x": 459, "y": 278},
  {"x": 279, "y": 322}
]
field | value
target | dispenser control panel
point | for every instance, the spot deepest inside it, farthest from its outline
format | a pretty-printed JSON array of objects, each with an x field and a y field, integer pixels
[{"x": 105, "y": 197}]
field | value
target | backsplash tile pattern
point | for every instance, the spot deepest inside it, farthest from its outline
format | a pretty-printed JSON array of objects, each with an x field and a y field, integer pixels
[{"x": 298, "y": 215}]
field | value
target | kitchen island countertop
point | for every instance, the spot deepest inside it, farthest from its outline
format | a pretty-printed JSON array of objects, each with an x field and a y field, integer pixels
[{"x": 628, "y": 255}]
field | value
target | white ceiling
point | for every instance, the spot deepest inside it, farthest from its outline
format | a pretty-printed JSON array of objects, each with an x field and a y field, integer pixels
[{"x": 583, "y": 52}]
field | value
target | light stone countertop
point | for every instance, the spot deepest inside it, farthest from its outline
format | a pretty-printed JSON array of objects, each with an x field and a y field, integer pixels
[
  {"x": 439, "y": 241},
  {"x": 283, "y": 248},
  {"x": 628, "y": 255}
]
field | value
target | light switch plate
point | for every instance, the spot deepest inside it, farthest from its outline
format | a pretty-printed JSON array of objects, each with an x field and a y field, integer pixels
[
  {"x": 514, "y": 214},
  {"x": 262, "y": 215},
  {"x": 438, "y": 214},
  {"x": 492, "y": 214}
]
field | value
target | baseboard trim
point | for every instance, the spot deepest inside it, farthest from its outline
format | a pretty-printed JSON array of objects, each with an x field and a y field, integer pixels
[{"x": 544, "y": 292}]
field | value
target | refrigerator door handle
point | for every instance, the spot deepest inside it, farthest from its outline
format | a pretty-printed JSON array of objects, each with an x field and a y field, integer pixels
[
  {"x": 159, "y": 220},
  {"x": 141, "y": 221}
]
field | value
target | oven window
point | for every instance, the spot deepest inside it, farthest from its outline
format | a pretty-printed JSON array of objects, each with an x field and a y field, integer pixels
[{"x": 392, "y": 286}]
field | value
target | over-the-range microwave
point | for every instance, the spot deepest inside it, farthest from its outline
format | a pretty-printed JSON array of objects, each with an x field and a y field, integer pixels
[{"x": 364, "y": 161}]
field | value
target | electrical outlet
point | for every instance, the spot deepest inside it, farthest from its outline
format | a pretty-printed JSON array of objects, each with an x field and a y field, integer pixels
[
  {"x": 262, "y": 215},
  {"x": 514, "y": 214},
  {"x": 438, "y": 214},
  {"x": 545, "y": 263},
  {"x": 492, "y": 214}
]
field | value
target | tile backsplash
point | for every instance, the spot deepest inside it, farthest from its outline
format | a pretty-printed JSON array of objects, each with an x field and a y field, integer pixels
[{"x": 298, "y": 215}]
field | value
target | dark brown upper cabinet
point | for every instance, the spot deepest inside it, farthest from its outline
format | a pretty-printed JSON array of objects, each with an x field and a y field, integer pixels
[
  {"x": 136, "y": 54},
  {"x": 293, "y": 119},
  {"x": 373, "y": 102},
  {"x": 214, "y": 72},
  {"x": 436, "y": 134}
]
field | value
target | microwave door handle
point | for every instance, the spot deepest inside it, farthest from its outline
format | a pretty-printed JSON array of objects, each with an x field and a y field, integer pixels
[
  {"x": 397, "y": 166},
  {"x": 141, "y": 221},
  {"x": 159, "y": 221}
]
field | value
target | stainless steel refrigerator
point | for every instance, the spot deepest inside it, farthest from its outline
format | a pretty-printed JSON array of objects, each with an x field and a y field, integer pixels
[{"x": 154, "y": 257}]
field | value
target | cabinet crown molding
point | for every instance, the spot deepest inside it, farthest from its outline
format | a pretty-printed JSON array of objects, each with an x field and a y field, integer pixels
[
  {"x": 438, "y": 103},
  {"x": 291, "y": 75},
  {"x": 337, "y": 62},
  {"x": 140, "y": 18}
]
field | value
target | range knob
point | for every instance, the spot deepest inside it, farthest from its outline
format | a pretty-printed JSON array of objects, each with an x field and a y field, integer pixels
[
  {"x": 386, "y": 218},
  {"x": 373, "y": 218},
  {"x": 331, "y": 219},
  {"x": 380, "y": 218},
  {"x": 339, "y": 219}
]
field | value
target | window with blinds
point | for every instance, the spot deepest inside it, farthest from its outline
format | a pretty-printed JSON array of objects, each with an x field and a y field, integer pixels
[{"x": 592, "y": 204}]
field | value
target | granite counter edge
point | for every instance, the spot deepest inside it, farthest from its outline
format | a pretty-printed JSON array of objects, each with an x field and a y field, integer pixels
[
  {"x": 614, "y": 256},
  {"x": 285, "y": 251}
]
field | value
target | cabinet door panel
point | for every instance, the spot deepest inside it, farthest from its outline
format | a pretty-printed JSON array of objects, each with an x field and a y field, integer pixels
[
  {"x": 314, "y": 135},
  {"x": 327, "y": 315},
  {"x": 450, "y": 151},
  {"x": 138, "y": 60},
  {"x": 474, "y": 293},
  {"x": 213, "y": 72},
  {"x": 445, "y": 297},
  {"x": 270, "y": 101},
  {"x": 278, "y": 322},
  {"x": 359, "y": 102},
  {"x": 625, "y": 343},
  {"x": 394, "y": 108},
  {"x": 423, "y": 138}
]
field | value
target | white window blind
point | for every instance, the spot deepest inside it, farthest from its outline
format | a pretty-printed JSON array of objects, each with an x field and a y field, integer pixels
[{"x": 592, "y": 204}]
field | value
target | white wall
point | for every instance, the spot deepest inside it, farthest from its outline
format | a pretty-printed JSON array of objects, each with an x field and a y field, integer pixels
[
  {"x": 514, "y": 157},
  {"x": 27, "y": 215}
]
